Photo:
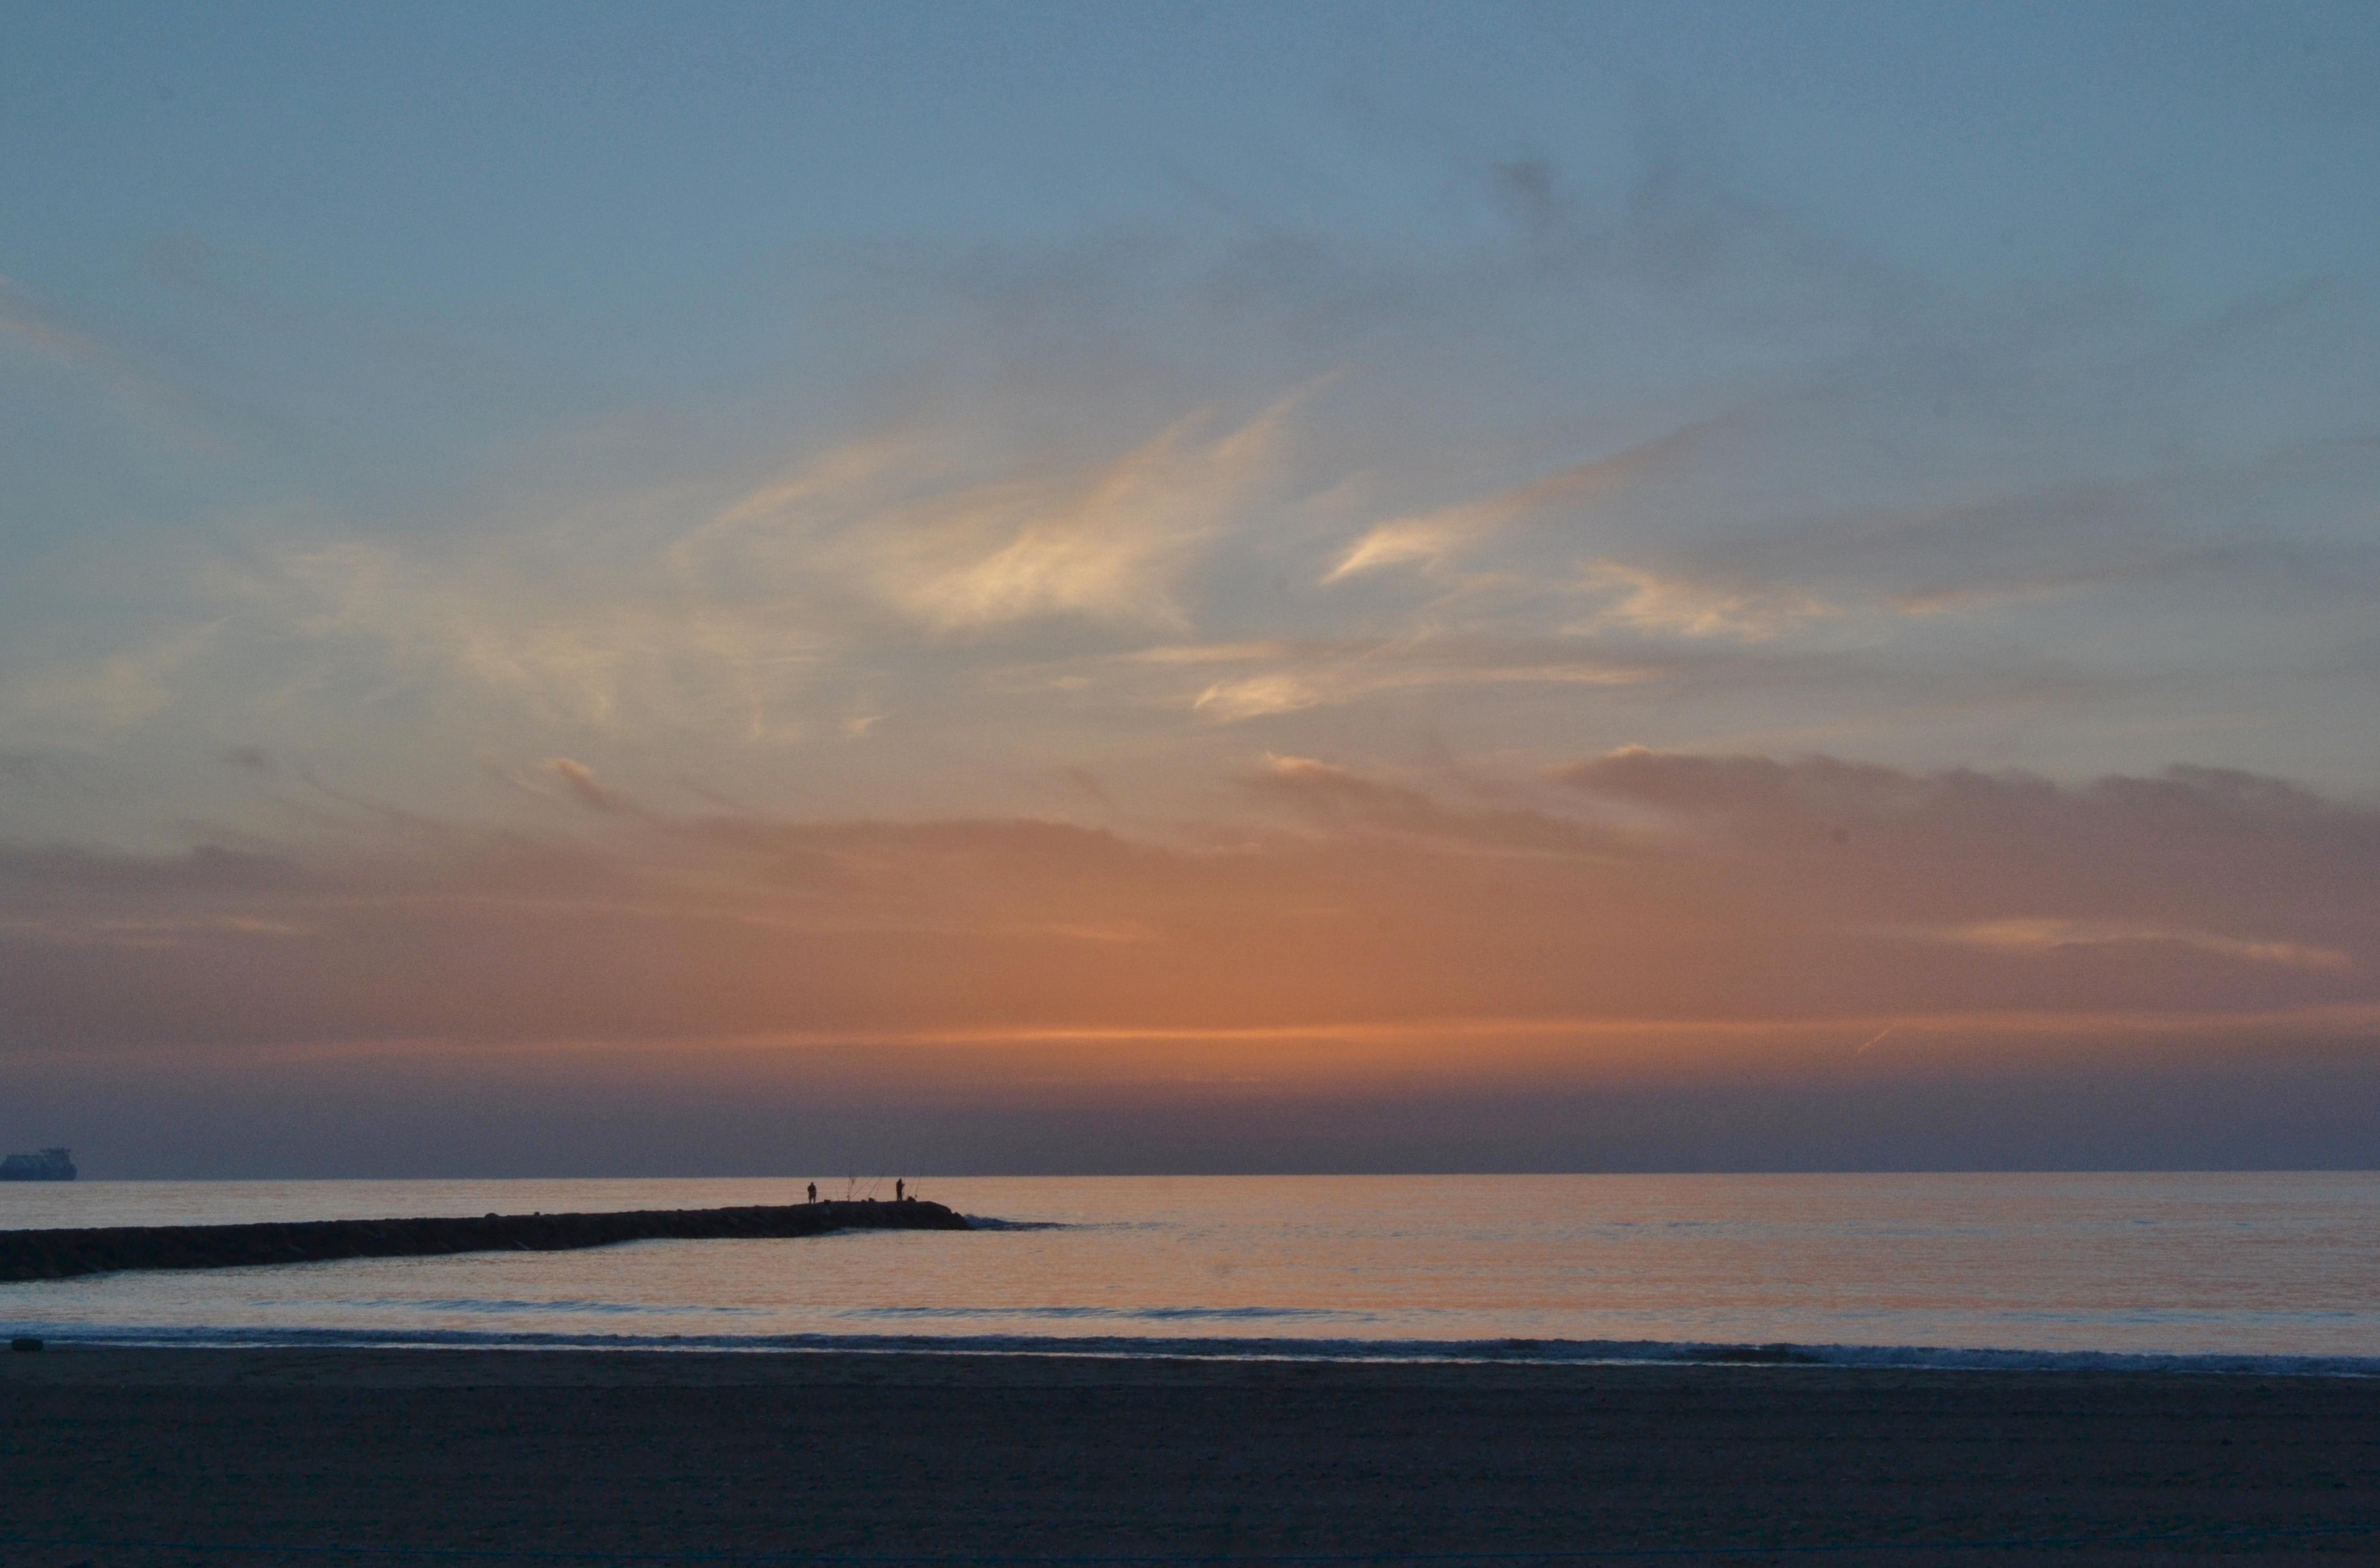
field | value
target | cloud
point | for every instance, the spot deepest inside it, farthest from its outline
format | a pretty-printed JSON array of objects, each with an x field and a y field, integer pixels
[
  {"x": 2139, "y": 872},
  {"x": 131, "y": 387},
  {"x": 2286, "y": 523},
  {"x": 26, "y": 325},
  {"x": 1643, "y": 600},
  {"x": 809, "y": 607},
  {"x": 903, "y": 519},
  {"x": 2039, "y": 935},
  {"x": 1341, "y": 801},
  {"x": 110, "y": 691},
  {"x": 579, "y": 780},
  {"x": 43, "y": 772},
  {"x": 1431, "y": 538},
  {"x": 1256, "y": 696},
  {"x": 1108, "y": 550},
  {"x": 20, "y": 322},
  {"x": 1208, "y": 653},
  {"x": 1328, "y": 679},
  {"x": 541, "y": 626},
  {"x": 1787, "y": 793},
  {"x": 142, "y": 934},
  {"x": 1043, "y": 509}
]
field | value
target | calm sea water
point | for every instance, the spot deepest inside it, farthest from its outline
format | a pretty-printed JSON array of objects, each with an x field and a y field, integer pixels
[{"x": 2269, "y": 1270}]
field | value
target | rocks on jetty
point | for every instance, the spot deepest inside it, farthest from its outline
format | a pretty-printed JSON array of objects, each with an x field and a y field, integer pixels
[{"x": 58, "y": 1255}]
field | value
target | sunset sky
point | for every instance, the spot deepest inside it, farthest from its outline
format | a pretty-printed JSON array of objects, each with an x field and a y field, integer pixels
[{"x": 607, "y": 588}]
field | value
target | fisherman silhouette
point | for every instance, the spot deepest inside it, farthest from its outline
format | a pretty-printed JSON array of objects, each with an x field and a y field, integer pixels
[
  {"x": 899, "y": 1195},
  {"x": 813, "y": 1192}
]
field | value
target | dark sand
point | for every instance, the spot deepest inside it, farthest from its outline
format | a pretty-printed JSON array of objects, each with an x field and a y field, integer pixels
[{"x": 886, "y": 1455}]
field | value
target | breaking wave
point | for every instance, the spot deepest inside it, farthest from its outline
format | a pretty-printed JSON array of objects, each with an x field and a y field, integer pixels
[{"x": 981, "y": 1222}]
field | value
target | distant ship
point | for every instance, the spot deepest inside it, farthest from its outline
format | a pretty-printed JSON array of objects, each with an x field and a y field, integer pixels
[{"x": 50, "y": 1165}]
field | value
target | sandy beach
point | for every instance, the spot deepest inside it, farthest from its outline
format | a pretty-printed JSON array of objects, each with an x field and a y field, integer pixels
[{"x": 227, "y": 1452}]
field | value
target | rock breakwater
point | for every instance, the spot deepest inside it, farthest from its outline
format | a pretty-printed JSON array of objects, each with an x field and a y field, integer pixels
[{"x": 64, "y": 1254}]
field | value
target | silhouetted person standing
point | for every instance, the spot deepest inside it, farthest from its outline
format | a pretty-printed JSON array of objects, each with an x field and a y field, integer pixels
[
  {"x": 813, "y": 1192},
  {"x": 900, "y": 1192}
]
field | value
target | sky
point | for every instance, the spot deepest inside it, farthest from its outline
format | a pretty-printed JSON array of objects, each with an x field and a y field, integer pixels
[{"x": 624, "y": 590}]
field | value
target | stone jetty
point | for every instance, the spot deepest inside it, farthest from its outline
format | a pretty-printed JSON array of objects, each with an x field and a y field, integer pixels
[{"x": 59, "y": 1255}]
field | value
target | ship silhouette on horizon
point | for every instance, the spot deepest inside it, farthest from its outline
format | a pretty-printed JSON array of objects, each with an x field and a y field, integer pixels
[{"x": 49, "y": 1165}]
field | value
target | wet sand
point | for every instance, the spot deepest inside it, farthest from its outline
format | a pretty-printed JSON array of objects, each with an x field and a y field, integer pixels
[{"x": 886, "y": 1455}]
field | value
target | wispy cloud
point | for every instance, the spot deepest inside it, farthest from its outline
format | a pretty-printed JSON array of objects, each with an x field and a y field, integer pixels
[
  {"x": 1641, "y": 599},
  {"x": 1429, "y": 539},
  {"x": 112, "y": 690},
  {"x": 580, "y": 782},
  {"x": 1331, "y": 682},
  {"x": 905, "y": 523},
  {"x": 1114, "y": 503},
  {"x": 2041, "y": 935},
  {"x": 46, "y": 338},
  {"x": 1208, "y": 653},
  {"x": 20, "y": 322},
  {"x": 540, "y": 624},
  {"x": 141, "y": 933}
]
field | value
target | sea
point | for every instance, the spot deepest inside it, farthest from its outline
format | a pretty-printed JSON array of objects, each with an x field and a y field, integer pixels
[{"x": 2214, "y": 1272}]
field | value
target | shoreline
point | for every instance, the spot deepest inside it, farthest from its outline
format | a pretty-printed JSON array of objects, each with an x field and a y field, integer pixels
[
  {"x": 1542, "y": 1353},
  {"x": 67, "y": 1362}
]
